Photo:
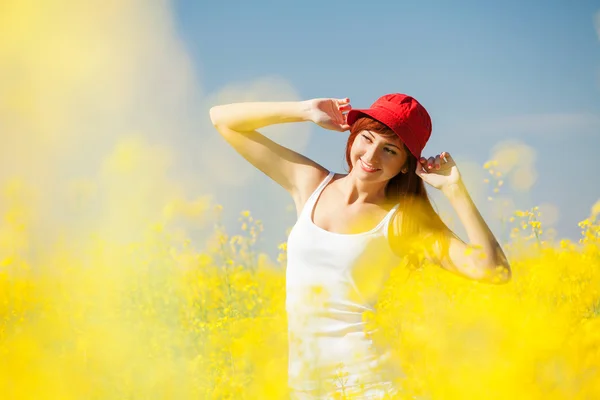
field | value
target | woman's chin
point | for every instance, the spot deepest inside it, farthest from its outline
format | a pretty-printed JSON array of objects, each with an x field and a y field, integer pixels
[{"x": 370, "y": 176}]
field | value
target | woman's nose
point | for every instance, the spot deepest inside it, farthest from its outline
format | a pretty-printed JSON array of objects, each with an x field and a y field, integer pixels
[{"x": 371, "y": 155}]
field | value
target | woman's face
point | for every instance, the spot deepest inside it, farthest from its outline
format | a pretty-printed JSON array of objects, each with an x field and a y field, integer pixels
[{"x": 377, "y": 158}]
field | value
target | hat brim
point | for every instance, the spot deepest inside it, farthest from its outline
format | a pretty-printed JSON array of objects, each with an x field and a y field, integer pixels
[
  {"x": 379, "y": 114},
  {"x": 385, "y": 117},
  {"x": 354, "y": 114}
]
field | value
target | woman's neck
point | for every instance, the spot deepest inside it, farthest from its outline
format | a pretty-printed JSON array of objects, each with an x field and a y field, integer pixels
[{"x": 358, "y": 191}]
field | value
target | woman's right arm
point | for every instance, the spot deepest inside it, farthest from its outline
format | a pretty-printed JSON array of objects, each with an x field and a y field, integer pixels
[{"x": 238, "y": 124}]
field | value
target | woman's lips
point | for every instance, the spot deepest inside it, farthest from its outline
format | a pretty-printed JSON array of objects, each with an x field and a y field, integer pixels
[{"x": 366, "y": 168}]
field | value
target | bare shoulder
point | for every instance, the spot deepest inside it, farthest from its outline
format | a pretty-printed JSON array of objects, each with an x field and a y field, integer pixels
[{"x": 308, "y": 178}]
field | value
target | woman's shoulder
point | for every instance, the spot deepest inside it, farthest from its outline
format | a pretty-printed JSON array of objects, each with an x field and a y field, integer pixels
[
  {"x": 307, "y": 181},
  {"x": 310, "y": 178}
]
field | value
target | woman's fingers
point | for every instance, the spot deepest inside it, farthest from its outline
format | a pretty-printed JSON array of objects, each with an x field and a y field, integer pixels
[
  {"x": 437, "y": 162},
  {"x": 341, "y": 103},
  {"x": 419, "y": 169},
  {"x": 344, "y": 107},
  {"x": 426, "y": 165},
  {"x": 446, "y": 156},
  {"x": 343, "y": 125},
  {"x": 430, "y": 162}
]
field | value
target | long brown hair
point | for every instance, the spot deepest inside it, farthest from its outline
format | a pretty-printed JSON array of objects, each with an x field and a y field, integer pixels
[{"x": 419, "y": 221}]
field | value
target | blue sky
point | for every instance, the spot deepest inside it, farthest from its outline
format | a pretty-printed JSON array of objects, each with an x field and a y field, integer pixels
[{"x": 487, "y": 72}]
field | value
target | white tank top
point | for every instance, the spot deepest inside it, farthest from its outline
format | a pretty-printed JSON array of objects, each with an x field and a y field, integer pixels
[{"x": 331, "y": 280}]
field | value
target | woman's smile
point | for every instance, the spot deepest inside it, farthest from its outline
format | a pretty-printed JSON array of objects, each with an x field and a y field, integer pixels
[{"x": 367, "y": 167}]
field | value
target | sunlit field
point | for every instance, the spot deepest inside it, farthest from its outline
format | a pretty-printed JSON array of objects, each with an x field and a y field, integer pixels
[
  {"x": 107, "y": 292},
  {"x": 158, "y": 316}
]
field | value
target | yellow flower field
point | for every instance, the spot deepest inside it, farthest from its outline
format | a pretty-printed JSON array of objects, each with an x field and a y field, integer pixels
[
  {"x": 89, "y": 317},
  {"x": 117, "y": 301}
]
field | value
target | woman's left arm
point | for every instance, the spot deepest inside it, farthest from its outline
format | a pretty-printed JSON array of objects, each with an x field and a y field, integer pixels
[{"x": 482, "y": 259}]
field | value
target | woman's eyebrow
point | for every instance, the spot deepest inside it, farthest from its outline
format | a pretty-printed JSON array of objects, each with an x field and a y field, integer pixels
[{"x": 387, "y": 143}]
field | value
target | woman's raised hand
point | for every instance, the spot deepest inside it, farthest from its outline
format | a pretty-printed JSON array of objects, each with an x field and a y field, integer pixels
[
  {"x": 440, "y": 171},
  {"x": 330, "y": 113}
]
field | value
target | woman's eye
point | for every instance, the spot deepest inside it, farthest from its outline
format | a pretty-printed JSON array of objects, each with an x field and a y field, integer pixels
[{"x": 385, "y": 148}]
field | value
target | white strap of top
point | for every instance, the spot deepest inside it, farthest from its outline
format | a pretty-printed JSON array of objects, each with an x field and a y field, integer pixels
[
  {"x": 315, "y": 194},
  {"x": 388, "y": 219}
]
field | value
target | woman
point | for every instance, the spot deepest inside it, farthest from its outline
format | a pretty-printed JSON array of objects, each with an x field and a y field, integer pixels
[{"x": 352, "y": 227}]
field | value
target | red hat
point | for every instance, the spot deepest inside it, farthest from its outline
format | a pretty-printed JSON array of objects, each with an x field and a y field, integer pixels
[{"x": 402, "y": 114}]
